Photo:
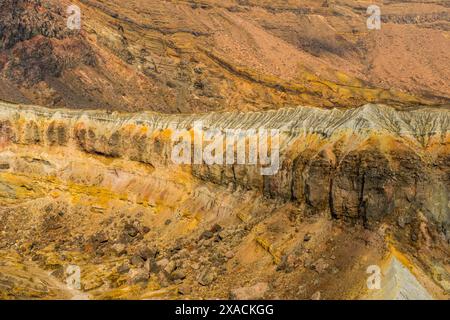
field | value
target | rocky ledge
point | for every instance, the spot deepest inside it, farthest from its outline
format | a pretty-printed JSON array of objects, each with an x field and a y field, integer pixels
[
  {"x": 100, "y": 191},
  {"x": 360, "y": 164}
]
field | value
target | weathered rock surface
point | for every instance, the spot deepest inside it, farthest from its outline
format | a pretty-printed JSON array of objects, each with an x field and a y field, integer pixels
[
  {"x": 359, "y": 164},
  {"x": 99, "y": 190}
]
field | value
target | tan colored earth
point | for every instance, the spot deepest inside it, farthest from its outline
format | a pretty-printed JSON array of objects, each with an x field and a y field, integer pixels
[{"x": 88, "y": 182}]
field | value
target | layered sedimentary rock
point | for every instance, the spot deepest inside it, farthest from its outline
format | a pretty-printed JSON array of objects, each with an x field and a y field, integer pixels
[
  {"x": 361, "y": 183},
  {"x": 101, "y": 191},
  {"x": 362, "y": 164}
]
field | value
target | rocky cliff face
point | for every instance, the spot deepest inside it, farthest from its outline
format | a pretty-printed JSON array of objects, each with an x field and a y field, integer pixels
[
  {"x": 359, "y": 178},
  {"x": 365, "y": 180},
  {"x": 363, "y": 164}
]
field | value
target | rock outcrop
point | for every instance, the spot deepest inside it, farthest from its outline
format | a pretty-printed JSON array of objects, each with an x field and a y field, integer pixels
[
  {"x": 157, "y": 150},
  {"x": 359, "y": 164},
  {"x": 101, "y": 191}
]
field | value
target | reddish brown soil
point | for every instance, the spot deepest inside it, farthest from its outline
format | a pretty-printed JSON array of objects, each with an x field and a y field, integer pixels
[{"x": 178, "y": 56}]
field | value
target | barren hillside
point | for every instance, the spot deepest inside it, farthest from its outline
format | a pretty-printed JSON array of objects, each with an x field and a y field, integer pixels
[
  {"x": 134, "y": 151},
  {"x": 184, "y": 56}
]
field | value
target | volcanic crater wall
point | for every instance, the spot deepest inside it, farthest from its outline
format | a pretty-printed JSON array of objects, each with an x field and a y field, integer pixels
[{"x": 364, "y": 164}]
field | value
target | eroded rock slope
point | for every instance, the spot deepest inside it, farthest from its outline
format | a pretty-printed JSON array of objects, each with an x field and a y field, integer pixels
[
  {"x": 365, "y": 163},
  {"x": 100, "y": 190}
]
